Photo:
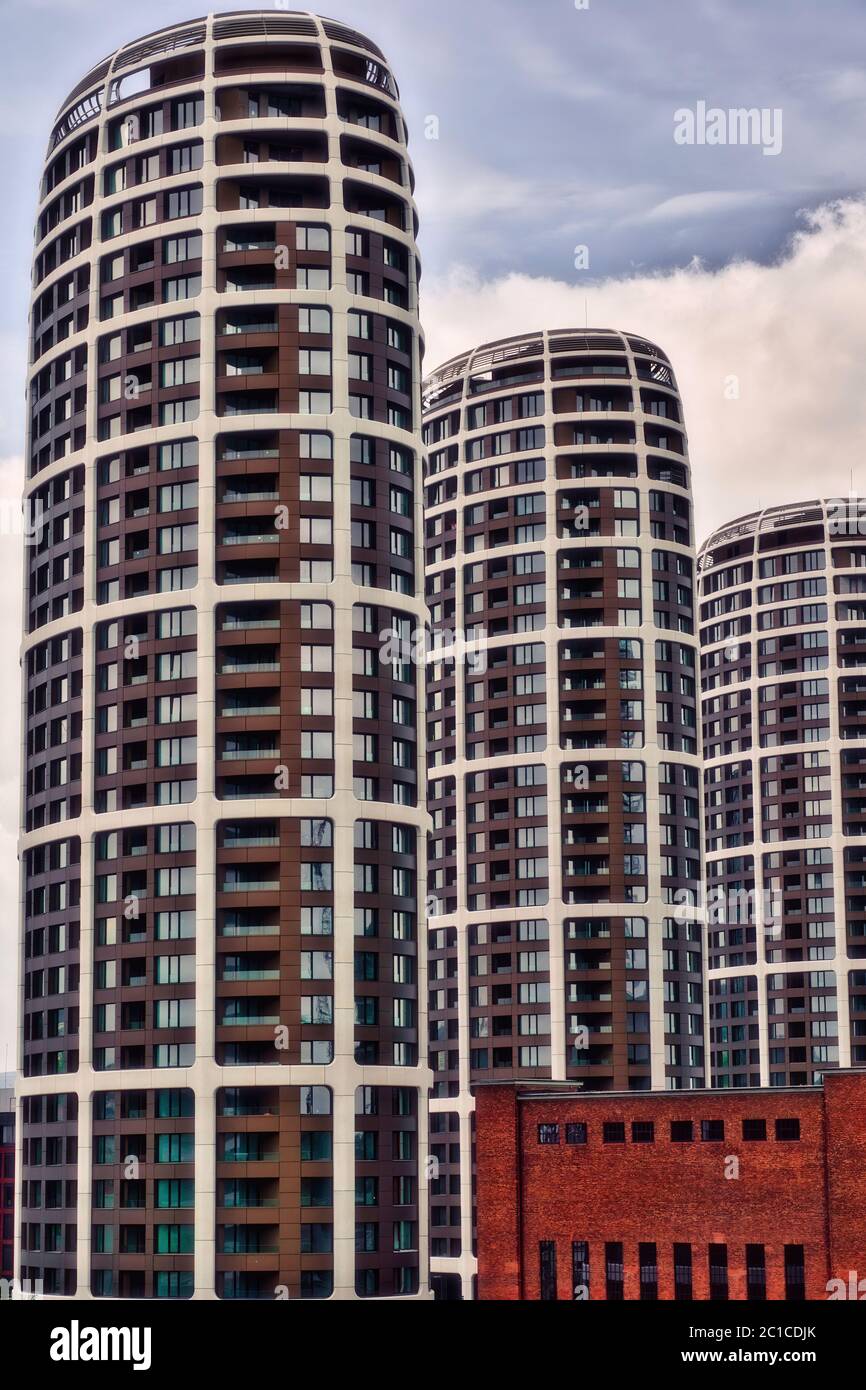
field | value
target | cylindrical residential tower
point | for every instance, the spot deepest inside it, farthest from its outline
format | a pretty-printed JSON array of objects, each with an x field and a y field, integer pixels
[
  {"x": 223, "y": 1083},
  {"x": 783, "y": 681},
  {"x": 561, "y": 733}
]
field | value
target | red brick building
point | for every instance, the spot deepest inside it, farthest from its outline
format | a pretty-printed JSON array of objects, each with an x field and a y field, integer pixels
[{"x": 755, "y": 1194}]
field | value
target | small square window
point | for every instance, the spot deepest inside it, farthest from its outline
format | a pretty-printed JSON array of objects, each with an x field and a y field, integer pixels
[
  {"x": 613, "y": 1132},
  {"x": 754, "y": 1129},
  {"x": 787, "y": 1129},
  {"x": 548, "y": 1134},
  {"x": 681, "y": 1132},
  {"x": 575, "y": 1133},
  {"x": 643, "y": 1132},
  {"x": 712, "y": 1131}
]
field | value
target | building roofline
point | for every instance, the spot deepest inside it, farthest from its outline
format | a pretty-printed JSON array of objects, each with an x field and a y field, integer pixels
[
  {"x": 467, "y": 358},
  {"x": 541, "y": 1090}
]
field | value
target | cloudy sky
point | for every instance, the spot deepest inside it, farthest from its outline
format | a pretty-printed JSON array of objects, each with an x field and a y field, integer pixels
[{"x": 556, "y": 123}]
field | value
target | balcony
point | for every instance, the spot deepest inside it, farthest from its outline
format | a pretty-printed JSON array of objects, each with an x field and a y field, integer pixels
[
  {"x": 240, "y": 667},
  {"x": 240, "y": 880},
  {"x": 248, "y": 532}
]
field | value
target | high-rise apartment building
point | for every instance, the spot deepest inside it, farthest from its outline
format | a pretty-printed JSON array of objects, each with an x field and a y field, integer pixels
[
  {"x": 562, "y": 736},
  {"x": 7, "y": 1175},
  {"x": 223, "y": 1077},
  {"x": 783, "y": 678}
]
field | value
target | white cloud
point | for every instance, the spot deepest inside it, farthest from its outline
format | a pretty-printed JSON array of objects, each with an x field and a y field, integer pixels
[
  {"x": 846, "y": 84},
  {"x": 454, "y": 190},
  {"x": 459, "y": 190},
  {"x": 792, "y": 333},
  {"x": 13, "y": 368},
  {"x": 552, "y": 72},
  {"x": 691, "y": 205}
]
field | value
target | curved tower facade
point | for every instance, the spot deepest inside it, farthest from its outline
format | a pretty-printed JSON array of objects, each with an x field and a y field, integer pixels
[
  {"x": 561, "y": 734},
  {"x": 783, "y": 656},
  {"x": 223, "y": 992}
]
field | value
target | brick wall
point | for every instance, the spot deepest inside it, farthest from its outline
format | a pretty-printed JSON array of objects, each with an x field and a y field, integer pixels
[{"x": 730, "y": 1191}]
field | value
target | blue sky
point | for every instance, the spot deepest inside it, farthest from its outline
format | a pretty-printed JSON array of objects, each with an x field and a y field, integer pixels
[{"x": 556, "y": 130}]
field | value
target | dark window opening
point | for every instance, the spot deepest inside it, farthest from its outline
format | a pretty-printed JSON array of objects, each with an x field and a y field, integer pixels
[
  {"x": 682, "y": 1132},
  {"x": 682, "y": 1272},
  {"x": 614, "y": 1274},
  {"x": 580, "y": 1271},
  {"x": 718, "y": 1272},
  {"x": 649, "y": 1271},
  {"x": 795, "y": 1273},
  {"x": 754, "y": 1129},
  {"x": 756, "y": 1273},
  {"x": 547, "y": 1260}
]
